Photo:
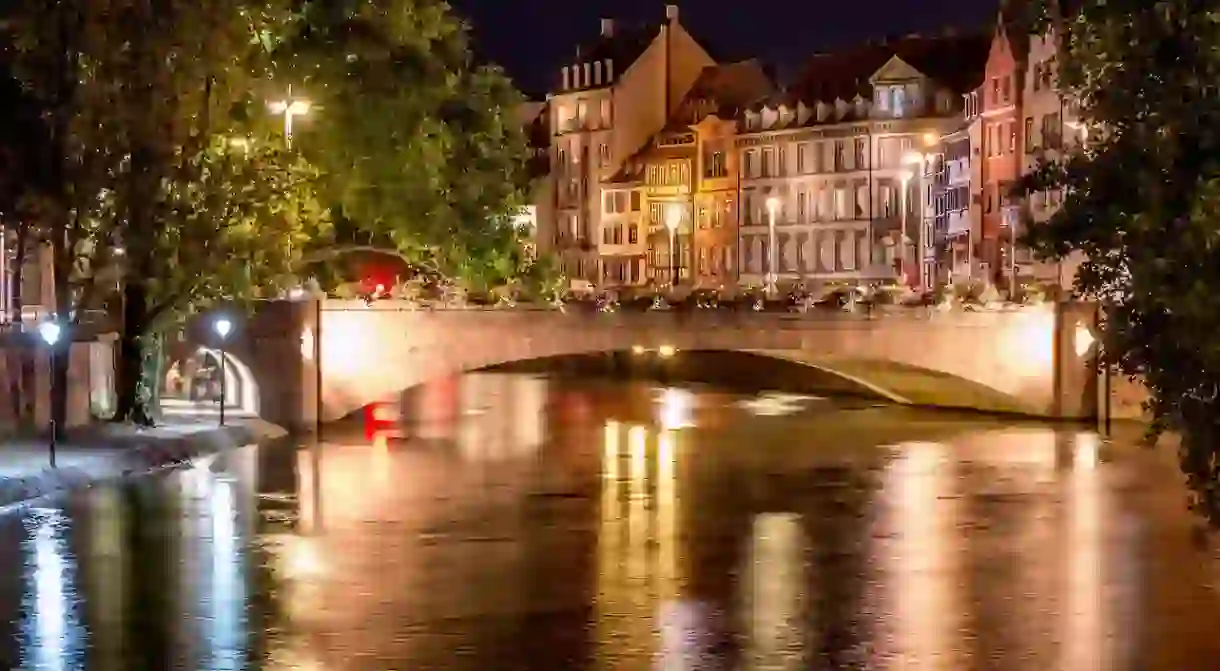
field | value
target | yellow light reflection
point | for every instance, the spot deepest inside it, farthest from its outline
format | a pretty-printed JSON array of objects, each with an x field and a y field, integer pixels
[
  {"x": 922, "y": 566},
  {"x": 776, "y": 592},
  {"x": 307, "y": 517},
  {"x": 676, "y": 409},
  {"x": 610, "y": 451},
  {"x": 667, "y": 523},
  {"x": 637, "y": 504},
  {"x": 1084, "y": 638},
  {"x": 380, "y": 458}
]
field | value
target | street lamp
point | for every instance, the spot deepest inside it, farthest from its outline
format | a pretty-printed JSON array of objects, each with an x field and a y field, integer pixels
[
  {"x": 673, "y": 218},
  {"x": 772, "y": 206},
  {"x": 914, "y": 158},
  {"x": 50, "y": 331},
  {"x": 223, "y": 326},
  {"x": 290, "y": 108}
]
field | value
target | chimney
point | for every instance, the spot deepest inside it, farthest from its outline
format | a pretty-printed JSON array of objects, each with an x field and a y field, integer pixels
[
  {"x": 607, "y": 27},
  {"x": 567, "y": 81},
  {"x": 671, "y": 12}
]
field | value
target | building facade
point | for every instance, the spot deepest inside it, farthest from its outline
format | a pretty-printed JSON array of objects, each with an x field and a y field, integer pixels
[
  {"x": 617, "y": 94},
  {"x": 833, "y": 173},
  {"x": 1001, "y": 128}
]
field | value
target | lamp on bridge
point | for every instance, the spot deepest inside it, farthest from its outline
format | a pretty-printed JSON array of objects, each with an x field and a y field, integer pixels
[
  {"x": 50, "y": 331},
  {"x": 223, "y": 327}
]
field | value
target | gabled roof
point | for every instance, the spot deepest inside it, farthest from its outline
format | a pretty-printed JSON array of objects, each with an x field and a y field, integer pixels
[{"x": 623, "y": 48}]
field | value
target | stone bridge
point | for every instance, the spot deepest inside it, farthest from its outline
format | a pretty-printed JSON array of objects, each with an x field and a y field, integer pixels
[{"x": 1035, "y": 361}]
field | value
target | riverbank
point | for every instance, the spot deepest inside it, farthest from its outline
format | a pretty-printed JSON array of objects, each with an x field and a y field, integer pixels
[{"x": 110, "y": 451}]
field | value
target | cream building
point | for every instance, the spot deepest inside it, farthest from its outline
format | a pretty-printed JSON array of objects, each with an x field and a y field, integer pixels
[
  {"x": 837, "y": 166},
  {"x": 1049, "y": 130},
  {"x": 618, "y": 93}
]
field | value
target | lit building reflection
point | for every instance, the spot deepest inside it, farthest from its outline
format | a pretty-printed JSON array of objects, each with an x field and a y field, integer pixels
[
  {"x": 638, "y": 549},
  {"x": 921, "y": 568},
  {"x": 106, "y": 577},
  {"x": 1085, "y": 639},
  {"x": 775, "y": 593},
  {"x": 53, "y": 636},
  {"x": 502, "y": 416}
]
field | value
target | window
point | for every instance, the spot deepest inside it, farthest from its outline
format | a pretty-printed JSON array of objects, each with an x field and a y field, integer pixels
[
  {"x": 995, "y": 90},
  {"x": 633, "y": 234},
  {"x": 1006, "y": 88},
  {"x": 899, "y": 101},
  {"x": 1029, "y": 135},
  {"x": 781, "y": 165},
  {"x": 582, "y": 113},
  {"x": 1012, "y": 136},
  {"x": 861, "y": 164},
  {"x": 603, "y": 155},
  {"x": 714, "y": 165},
  {"x": 801, "y": 210},
  {"x": 768, "y": 161},
  {"x": 635, "y": 201},
  {"x": 607, "y": 113},
  {"x": 840, "y": 203},
  {"x": 656, "y": 214},
  {"x": 1050, "y": 131},
  {"x": 749, "y": 164},
  {"x": 802, "y": 160},
  {"x": 608, "y": 202},
  {"x": 1037, "y": 78},
  {"x": 838, "y": 155}
]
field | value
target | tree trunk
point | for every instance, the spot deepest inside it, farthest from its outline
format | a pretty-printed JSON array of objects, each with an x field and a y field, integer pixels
[
  {"x": 19, "y": 357},
  {"x": 131, "y": 384}
]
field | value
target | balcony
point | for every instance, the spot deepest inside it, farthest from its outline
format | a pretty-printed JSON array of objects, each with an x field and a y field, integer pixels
[{"x": 958, "y": 223}]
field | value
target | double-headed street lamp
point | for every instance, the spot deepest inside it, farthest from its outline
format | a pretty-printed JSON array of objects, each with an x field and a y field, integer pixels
[
  {"x": 291, "y": 108},
  {"x": 673, "y": 218},
  {"x": 223, "y": 326},
  {"x": 50, "y": 332},
  {"x": 772, "y": 208}
]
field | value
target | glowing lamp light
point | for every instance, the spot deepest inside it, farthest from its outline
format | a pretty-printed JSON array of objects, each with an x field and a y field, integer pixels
[
  {"x": 1084, "y": 340},
  {"x": 223, "y": 327},
  {"x": 906, "y": 176},
  {"x": 50, "y": 332},
  {"x": 667, "y": 351},
  {"x": 638, "y": 349}
]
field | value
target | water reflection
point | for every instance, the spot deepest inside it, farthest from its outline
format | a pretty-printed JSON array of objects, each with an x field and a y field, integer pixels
[
  {"x": 53, "y": 635},
  {"x": 610, "y": 533}
]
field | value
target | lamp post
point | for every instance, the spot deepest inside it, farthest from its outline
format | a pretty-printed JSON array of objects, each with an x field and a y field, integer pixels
[
  {"x": 223, "y": 327},
  {"x": 914, "y": 159},
  {"x": 905, "y": 176},
  {"x": 290, "y": 108},
  {"x": 50, "y": 331},
  {"x": 772, "y": 206},
  {"x": 673, "y": 218}
]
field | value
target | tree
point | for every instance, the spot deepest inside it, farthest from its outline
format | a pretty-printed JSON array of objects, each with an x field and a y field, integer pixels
[
  {"x": 1141, "y": 202},
  {"x": 420, "y": 148},
  {"x": 165, "y": 186}
]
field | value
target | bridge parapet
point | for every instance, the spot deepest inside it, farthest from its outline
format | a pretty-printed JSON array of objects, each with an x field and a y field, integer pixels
[{"x": 1024, "y": 360}]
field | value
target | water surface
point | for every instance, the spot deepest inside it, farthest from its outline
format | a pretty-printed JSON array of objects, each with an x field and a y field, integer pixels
[{"x": 538, "y": 524}]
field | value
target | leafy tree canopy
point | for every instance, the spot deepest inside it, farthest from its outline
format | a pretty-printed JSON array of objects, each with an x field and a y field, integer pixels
[
  {"x": 1142, "y": 201},
  {"x": 419, "y": 147}
]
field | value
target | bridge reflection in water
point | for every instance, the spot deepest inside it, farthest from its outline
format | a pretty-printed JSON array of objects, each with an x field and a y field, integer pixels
[{"x": 601, "y": 539}]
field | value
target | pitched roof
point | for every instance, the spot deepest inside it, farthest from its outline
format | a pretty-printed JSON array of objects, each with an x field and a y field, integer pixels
[
  {"x": 622, "y": 47},
  {"x": 954, "y": 61}
]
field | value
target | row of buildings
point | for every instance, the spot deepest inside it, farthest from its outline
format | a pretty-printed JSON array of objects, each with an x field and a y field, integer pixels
[{"x": 889, "y": 161}]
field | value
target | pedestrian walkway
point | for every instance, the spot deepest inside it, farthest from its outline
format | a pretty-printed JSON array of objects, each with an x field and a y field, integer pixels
[{"x": 107, "y": 451}]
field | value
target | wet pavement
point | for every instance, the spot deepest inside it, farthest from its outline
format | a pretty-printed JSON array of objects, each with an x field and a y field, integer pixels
[{"x": 536, "y": 524}]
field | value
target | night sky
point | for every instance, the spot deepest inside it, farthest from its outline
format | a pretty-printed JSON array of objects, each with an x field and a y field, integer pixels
[{"x": 533, "y": 38}]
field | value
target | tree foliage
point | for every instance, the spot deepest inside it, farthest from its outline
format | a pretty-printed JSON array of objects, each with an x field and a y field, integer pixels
[
  {"x": 420, "y": 147},
  {"x": 145, "y": 104},
  {"x": 1141, "y": 203}
]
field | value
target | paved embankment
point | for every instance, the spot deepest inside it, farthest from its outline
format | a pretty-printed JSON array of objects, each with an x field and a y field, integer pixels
[{"x": 107, "y": 452}]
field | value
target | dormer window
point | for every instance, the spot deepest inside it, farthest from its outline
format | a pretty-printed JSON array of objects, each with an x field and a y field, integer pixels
[{"x": 900, "y": 101}]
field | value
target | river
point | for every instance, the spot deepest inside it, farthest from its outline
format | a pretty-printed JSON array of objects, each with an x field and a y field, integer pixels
[{"x": 538, "y": 523}]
